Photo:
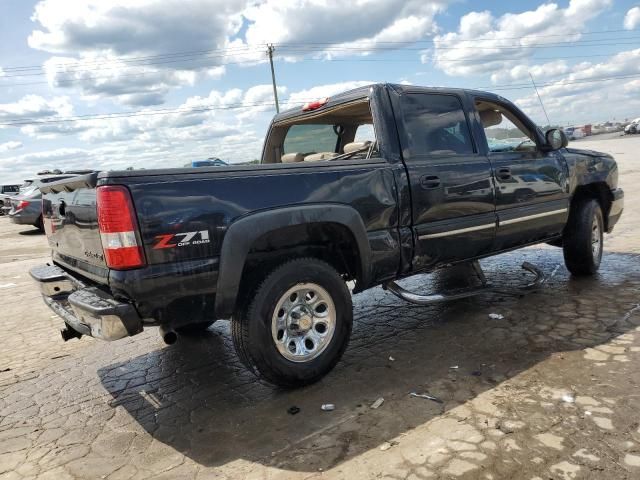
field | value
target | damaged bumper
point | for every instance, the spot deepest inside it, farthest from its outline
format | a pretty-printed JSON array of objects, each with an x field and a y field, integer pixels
[{"x": 86, "y": 310}]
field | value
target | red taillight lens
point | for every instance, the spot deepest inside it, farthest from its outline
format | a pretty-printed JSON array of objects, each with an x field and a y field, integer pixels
[
  {"x": 22, "y": 204},
  {"x": 118, "y": 226}
]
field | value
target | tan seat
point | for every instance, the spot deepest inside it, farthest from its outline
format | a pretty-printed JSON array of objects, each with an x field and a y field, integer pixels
[
  {"x": 292, "y": 158},
  {"x": 490, "y": 118},
  {"x": 315, "y": 157},
  {"x": 355, "y": 146}
]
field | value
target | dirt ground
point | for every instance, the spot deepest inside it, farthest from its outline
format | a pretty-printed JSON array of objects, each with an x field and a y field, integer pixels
[{"x": 549, "y": 391}]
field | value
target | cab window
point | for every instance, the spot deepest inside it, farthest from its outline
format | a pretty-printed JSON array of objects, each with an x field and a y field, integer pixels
[
  {"x": 435, "y": 125},
  {"x": 503, "y": 130}
]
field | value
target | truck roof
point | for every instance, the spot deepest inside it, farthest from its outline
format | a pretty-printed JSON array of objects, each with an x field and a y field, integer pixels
[{"x": 364, "y": 91}]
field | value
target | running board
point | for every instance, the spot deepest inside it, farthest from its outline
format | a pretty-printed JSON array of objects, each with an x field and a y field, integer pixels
[{"x": 419, "y": 299}]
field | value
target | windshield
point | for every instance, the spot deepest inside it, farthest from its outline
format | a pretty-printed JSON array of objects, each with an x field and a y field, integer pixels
[{"x": 28, "y": 190}]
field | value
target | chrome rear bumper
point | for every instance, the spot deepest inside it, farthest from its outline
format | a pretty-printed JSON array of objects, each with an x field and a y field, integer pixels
[{"x": 86, "y": 310}]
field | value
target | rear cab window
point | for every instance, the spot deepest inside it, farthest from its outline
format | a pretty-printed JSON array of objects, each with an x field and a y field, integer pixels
[{"x": 341, "y": 132}]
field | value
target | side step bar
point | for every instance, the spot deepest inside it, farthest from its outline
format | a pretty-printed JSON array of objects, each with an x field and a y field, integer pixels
[{"x": 419, "y": 299}]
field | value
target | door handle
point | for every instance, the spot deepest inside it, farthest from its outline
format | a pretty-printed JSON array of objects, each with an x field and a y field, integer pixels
[
  {"x": 504, "y": 173},
  {"x": 429, "y": 181}
]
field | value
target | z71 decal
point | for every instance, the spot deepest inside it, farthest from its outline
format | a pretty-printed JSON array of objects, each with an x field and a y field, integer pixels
[{"x": 171, "y": 240}]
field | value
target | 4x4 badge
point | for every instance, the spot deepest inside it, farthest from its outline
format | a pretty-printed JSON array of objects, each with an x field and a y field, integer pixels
[{"x": 171, "y": 240}]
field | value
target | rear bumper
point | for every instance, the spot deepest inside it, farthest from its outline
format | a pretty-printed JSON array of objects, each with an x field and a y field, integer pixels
[
  {"x": 85, "y": 309},
  {"x": 23, "y": 217},
  {"x": 617, "y": 206}
]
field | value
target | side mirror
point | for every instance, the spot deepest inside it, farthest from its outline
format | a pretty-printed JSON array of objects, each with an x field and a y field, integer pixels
[{"x": 556, "y": 139}]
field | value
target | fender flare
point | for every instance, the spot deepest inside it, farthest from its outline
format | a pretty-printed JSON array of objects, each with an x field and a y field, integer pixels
[{"x": 242, "y": 233}]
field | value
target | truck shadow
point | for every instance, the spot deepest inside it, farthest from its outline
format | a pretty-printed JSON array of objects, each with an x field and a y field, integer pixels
[{"x": 198, "y": 399}]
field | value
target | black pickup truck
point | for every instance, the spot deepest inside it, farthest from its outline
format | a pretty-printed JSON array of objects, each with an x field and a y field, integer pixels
[{"x": 353, "y": 191}]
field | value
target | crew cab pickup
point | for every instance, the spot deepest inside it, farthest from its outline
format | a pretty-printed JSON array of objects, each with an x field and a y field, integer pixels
[{"x": 353, "y": 191}]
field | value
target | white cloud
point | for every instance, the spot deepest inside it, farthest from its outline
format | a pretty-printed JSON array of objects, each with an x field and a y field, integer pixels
[
  {"x": 632, "y": 18},
  {"x": 129, "y": 51},
  {"x": 521, "y": 72},
  {"x": 35, "y": 107},
  {"x": 484, "y": 44},
  {"x": 12, "y": 145},
  {"x": 340, "y": 23},
  {"x": 575, "y": 97}
]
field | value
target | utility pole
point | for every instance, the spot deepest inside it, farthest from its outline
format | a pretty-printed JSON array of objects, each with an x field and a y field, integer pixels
[
  {"x": 540, "y": 99},
  {"x": 270, "y": 50}
]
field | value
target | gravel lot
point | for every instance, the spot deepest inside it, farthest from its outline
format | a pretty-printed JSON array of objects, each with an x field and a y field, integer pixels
[{"x": 550, "y": 391}]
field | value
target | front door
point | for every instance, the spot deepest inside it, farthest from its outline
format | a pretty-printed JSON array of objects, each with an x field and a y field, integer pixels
[
  {"x": 531, "y": 183},
  {"x": 453, "y": 211}
]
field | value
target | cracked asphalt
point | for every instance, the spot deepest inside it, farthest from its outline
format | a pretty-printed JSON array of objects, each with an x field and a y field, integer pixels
[{"x": 548, "y": 391}]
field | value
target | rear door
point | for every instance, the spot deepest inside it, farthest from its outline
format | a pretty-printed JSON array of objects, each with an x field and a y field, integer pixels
[
  {"x": 453, "y": 212},
  {"x": 531, "y": 184}
]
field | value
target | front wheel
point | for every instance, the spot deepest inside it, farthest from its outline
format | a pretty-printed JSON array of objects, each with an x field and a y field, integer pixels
[
  {"x": 583, "y": 237},
  {"x": 296, "y": 324}
]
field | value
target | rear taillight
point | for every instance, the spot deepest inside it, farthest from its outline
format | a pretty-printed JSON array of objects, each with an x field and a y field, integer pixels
[
  {"x": 22, "y": 204},
  {"x": 118, "y": 226}
]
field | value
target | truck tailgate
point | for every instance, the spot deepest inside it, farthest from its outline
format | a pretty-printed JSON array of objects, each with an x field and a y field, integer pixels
[{"x": 71, "y": 224}]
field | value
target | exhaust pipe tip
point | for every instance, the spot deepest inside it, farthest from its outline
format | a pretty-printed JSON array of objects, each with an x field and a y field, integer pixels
[{"x": 169, "y": 336}]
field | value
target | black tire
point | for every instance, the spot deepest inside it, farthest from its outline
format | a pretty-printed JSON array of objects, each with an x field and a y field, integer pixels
[
  {"x": 40, "y": 224},
  {"x": 194, "y": 328},
  {"x": 580, "y": 254},
  {"x": 251, "y": 325}
]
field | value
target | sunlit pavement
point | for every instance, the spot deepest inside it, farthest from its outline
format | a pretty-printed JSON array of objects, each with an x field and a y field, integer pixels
[{"x": 548, "y": 391}]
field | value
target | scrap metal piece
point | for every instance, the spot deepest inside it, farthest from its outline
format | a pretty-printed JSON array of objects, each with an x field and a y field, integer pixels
[{"x": 428, "y": 299}]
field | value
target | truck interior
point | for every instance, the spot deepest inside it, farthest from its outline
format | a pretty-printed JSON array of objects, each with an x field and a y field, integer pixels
[{"x": 345, "y": 131}]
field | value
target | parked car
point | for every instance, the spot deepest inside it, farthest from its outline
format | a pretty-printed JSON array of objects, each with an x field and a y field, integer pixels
[
  {"x": 633, "y": 127},
  {"x": 573, "y": 133},
  {"x": 6, "y": 192},
  {"x": 274, "y": 246},
  {"x": 209, "y": 162},
  {"x": 26, "y": 207}
]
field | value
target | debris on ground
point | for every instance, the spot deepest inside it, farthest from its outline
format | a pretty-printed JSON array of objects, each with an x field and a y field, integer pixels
[
  {"x": 476, "y": 373},
  {"x": 328, "y": 407},
  {"x": 391, "y": 359},
  {"x": 454, "y": 367},
  {"x": 426, "y": 396},
  {"x": 293, "y": 410},
  {"x": 587, "y": 413},
  {"x": 5, "y": 370},
  {"x": 377, "y": 403},
  {"x": 568, "y": 398},
  {"x": 387, "y": 445},
  {"x": 496, "y": 316}
]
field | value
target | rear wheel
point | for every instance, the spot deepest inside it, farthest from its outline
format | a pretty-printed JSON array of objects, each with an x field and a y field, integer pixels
[
  {"x": 296, "y": 324},
  {"x": 40, "y": 224},
  {"x": 582, "y": 242}
]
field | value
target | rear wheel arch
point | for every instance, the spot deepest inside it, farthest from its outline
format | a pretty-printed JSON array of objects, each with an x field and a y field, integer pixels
[{"x": 333, "y": 233}]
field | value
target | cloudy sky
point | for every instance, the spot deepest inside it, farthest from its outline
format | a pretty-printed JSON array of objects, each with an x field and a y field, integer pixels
[{"x": 107, "y": 84}]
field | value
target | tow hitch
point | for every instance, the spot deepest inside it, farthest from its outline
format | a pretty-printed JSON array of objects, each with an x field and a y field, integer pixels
[{"x": 420, "y": 299}]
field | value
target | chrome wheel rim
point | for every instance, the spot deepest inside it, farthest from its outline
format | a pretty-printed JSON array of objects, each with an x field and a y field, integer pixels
[
  {"x": 303, "y": 322},
  {"x": 596, "y": 240}
]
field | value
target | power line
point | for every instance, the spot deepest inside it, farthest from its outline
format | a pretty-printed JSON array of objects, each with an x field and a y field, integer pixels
[
  {"x": 327, "y": 46},
  {"x": 127, "y": 114},
  {"x": 70, "y": 82}
]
